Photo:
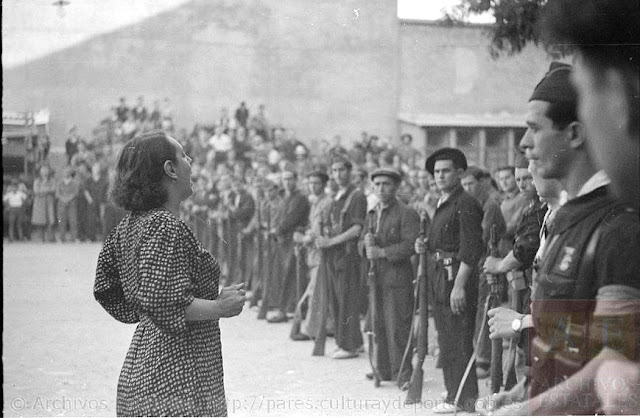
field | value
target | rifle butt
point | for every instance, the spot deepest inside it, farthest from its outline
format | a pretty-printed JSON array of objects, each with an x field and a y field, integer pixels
[
  {"x": 295, "y": 327},
  {"x": 496, "y": 365},
  {"x": 414, "y": 393},
  {"x": 319, "y": 343}
]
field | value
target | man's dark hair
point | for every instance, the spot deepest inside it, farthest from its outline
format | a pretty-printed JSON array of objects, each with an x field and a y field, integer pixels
[
  {"x": 607, "y": 33},
  {"x": 140, "y": 171},
  {"x": 342, "y": 160},
  {"x": 562, "y": 114},
  {"x": 474, "y": 171},
  {"x": 505, "y": 168}
]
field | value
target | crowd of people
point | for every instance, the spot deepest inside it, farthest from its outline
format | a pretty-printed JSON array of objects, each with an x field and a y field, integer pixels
[
  {"x": 542, "y": 255},
  {"x": 70, "y": 202}
]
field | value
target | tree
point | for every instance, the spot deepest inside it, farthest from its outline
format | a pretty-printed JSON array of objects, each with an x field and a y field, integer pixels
[{"x": 516, "y": 23}]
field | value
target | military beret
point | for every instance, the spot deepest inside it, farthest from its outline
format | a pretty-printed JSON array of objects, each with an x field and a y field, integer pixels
[
  {"x": 386, "y": 171},
  {"x": 556, "y": 86},
  {"x": 321, "y": 174},
  {"x": 453, "y": 154}
]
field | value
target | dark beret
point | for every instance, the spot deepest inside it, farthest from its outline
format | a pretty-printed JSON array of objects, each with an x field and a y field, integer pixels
[
  {"x": 453, "y": 154},
  {"x": 556, "y": 86},
  {"x": 321, "y": 174},
  {"x": 386, "y": 171}
]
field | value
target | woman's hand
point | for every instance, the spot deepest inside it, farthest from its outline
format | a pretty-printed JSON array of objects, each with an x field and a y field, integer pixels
[{"x": 231, "y": 300}]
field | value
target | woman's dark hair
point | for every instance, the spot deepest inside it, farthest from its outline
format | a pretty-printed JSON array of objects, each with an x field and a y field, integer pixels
[{"x": 137, "y": 184}]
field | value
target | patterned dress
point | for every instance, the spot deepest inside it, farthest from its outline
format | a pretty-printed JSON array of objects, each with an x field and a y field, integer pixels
[{"x": 150, "y": 269}]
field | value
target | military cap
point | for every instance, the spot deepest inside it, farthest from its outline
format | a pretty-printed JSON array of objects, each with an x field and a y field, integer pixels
[
  {"x": 556, "y": 86},
  {"x": 453, "y": 154},
  {"x": 386, "y": 171},
  {"x": 319, "y": 173}
]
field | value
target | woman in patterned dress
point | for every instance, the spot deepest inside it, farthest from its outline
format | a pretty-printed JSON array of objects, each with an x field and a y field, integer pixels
[{"x": 152, "y": 271}]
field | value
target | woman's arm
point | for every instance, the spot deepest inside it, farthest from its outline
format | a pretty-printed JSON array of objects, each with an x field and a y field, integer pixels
[{"x": 229, "y": 304}]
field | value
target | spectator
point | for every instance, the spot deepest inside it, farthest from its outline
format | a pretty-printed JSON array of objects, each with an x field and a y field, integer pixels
[
  {"x": 140, "y": 111},
  {"x": 129, "y": 128},
  {"x": 155, "y": 116},
  {"x": 122, "y": 110},
  {"x": 15, "y": 198},
  {"x": 259, "y": 123},
  {"x": 71, "y": 145},
  {"x": 87, "y": 219},
  {"x": 242, "y": 115},
  {"x": 220, "y": 144},
  {"x": 44, "y": 203},
  {"x": 67, "y": 191},
  {"x": 406, "y": 150}
]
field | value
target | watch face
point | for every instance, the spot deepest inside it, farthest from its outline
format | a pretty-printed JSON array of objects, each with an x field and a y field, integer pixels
[{"x": 516, "y": 324}]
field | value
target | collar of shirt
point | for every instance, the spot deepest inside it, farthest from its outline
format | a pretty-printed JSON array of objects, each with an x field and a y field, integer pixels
[
  {"x": 595, "y": 182},
  {"x": 342, "y": 192},
  {"x": 451, "y": 195}
]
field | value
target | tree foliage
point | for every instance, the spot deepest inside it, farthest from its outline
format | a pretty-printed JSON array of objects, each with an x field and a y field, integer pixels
[{"x": 516, "y": 22}]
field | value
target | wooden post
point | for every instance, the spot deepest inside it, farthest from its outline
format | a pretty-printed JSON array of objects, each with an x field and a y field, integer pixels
[
  {"x": 453, "y": 138},
  {"x": 511, "y": 147},
  {"x": 482, "y": 148}
]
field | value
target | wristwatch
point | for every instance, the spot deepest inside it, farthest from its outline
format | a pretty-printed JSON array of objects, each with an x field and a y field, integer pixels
[{"x": 516, "y": 325}]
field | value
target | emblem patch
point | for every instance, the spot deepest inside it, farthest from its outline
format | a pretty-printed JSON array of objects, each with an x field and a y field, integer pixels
[{"x": 567, "y": 258}]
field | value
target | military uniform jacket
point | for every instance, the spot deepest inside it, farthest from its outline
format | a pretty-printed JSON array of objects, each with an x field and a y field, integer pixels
[
  {"x": 295, "y": 215},
  {"x": 398, "y": 226},
  {"x": 567, "y": 283}
]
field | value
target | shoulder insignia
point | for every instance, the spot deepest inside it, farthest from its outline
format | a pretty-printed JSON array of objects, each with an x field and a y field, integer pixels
[{"x": 567, "y": 259}]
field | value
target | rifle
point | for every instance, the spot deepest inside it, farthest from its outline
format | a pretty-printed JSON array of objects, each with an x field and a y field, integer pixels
[
  {"x": 494, "y": 302},
  {"x": 323, "y": 299},
  {"x": 257, "y": 281},
  {"x": 266, "y": 280},
  {"x": 373, "y": 307},
  {"x": 414, "y": 394},
  {"x": 297, "y": 319}
]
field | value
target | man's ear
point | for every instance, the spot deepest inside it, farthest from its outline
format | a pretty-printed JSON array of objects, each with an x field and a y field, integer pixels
[
  {"x": 576, "y": 134},
  {"x": 170, "y": 170}
]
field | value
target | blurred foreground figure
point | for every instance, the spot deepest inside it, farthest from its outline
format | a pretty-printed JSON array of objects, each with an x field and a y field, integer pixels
[
  {"x": 607, "y": 78},
  {"x": 586, "y": 287},
  {"x": 152, "y": 271}
]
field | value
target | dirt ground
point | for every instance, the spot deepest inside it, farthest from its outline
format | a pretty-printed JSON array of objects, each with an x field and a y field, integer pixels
[{"x": 62, "y": 353}]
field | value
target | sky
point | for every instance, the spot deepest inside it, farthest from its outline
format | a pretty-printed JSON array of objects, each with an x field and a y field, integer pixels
[{"x": 35, "y": 28}]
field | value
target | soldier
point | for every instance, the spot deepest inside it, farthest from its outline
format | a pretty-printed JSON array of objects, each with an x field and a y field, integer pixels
[
  {"x": 241, "y": 211},
  {"x": 607, "y": 78},
  {"x": 346, "y": 220},
  {"x": 391, "y": 246},
  {"x": 589, "y": 275},
  {"x": 492, "y": 215},
  {"x": 454, "y": 245},
  {"x": 513, "y": 203},
  {"x": 318, "y": 218},
  {"x": 295, "y": 214}
]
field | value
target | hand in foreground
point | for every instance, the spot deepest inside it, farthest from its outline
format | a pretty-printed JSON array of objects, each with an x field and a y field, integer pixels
[
  {"x": 617, "y": 382},
  {"x": 323, "y": 242},
  {"x": 369, "y": 240},
  {"x": 457, "y": 300},
  {"x": 505, "y": 403},
  {"x": 231, "y": 300},
  {"x": 500, "y": 320},
  {"x": 374, "y": 252},
  {"x": 420, "y": 246},
  {"x": 492, "y": 265}
]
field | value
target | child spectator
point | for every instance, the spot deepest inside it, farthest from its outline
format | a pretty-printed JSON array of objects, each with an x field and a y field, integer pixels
[{"x": 15, "y": 198}]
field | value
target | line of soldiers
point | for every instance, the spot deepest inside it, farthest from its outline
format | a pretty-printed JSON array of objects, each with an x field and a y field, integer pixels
[{"x": 566, "y": 273}]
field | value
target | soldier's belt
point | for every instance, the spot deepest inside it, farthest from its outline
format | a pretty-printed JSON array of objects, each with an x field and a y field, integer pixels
[{"x": 446, "y": 257}]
